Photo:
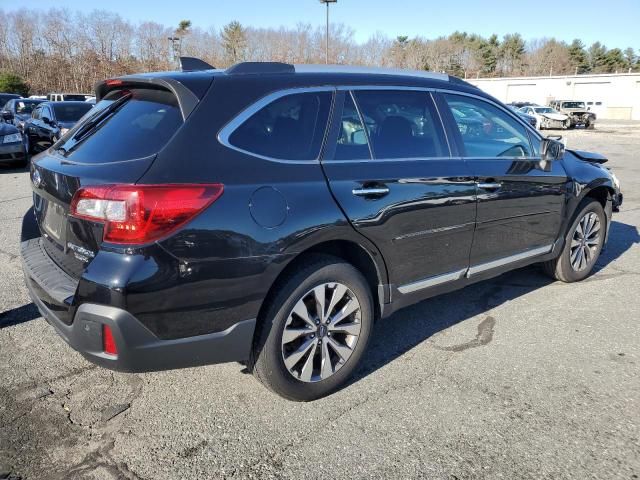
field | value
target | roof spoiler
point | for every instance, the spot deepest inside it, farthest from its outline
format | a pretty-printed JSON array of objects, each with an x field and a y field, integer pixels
[{"x": 192, "y": 64}]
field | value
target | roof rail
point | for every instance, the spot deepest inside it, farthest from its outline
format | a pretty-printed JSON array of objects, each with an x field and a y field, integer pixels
[
  {"x": 191, "y": 64},
  {"x": 245, "y": 68}
]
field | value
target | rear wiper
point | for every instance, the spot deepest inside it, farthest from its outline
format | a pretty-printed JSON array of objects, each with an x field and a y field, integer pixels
[{"x": 99, "y": 118}]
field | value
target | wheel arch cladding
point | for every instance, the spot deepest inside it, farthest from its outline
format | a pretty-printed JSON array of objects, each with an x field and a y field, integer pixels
[{"x": 346, "y": 250}]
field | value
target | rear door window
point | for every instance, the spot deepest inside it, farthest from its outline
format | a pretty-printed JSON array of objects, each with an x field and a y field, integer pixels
[
  {"x": 401, "y": 124},
  {"x": 291, "y": 127},
  {"x": 352, "y": 141},
  {"x": 139, "y": 127}
]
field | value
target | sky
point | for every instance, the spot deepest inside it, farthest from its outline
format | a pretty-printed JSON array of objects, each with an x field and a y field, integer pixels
[{"x": 613, "y": 22}]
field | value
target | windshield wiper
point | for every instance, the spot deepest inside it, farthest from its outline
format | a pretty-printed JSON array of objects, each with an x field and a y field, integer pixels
[{"x": 106, "y": 112}]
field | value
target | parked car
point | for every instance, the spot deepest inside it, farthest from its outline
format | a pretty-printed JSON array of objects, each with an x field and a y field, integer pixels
[
  {"x": 577, "y": 112},
  {"x": 18, "y": 111},
  {"x": 5, "y": 97},
  {"x": 270, "y": 213},
  {"x": 49, "y": 121},
  {"x": 67, "y": 97},
  {"x": 11, "y": 148},
  {"x": 522, "y": 104},
  {"x": 530, "y": 119},
  {"x": 547, "y": 117}
]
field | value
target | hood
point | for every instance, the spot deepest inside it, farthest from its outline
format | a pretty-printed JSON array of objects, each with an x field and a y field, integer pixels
[
  {"x": 66, "y": 124},
  {"x": 23, "y": 117},
  {"x": 590, "y": 157},
  {"x": 7, "y": 129},
  {"x": 561, "y": 117}
]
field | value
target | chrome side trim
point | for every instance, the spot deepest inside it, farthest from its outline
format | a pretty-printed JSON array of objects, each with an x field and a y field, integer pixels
[
  {"x": 534, "y": 252},
  {"x": 226, "y": 131},
  {"x": 432, "y": 281},
  {"x": 434, "y": 230}
]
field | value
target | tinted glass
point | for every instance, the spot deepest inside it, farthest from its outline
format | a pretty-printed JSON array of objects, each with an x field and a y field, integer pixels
[
  {"x": 488, "y": 131},
  {"x": 289, "y": 128},
  {"x": 401, "y": 124},
  {"x": 70, "y": 112},
  {"x": 352, "y": 139},
  {"x": 36, "y": 112},
  {"x": 25, "y": 106},
  {"x": 140, "y": 127},
  {"x": 72, "y": 97}
]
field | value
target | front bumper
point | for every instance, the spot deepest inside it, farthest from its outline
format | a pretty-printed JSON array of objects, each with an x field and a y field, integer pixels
[
  {"x": 12, "y": 153},
  {"x": 139, "y": 350}
]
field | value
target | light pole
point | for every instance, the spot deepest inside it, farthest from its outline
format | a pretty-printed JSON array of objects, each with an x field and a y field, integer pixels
[
  {"x": 175, "y": 44},
  {"x": 327, "y": 2}
]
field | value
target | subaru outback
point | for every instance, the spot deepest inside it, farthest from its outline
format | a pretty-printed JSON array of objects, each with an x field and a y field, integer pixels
[{"x": 269, "y": 214}]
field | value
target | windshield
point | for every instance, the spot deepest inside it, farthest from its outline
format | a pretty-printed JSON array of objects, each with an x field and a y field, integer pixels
[
  {"x": 70, "y": 112},
  {"x": 26, "y": 107},
  {"x": 544, "y": 110},
  {"x": 573, "y": 105}
]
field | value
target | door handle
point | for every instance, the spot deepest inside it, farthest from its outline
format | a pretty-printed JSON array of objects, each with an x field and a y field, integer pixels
[
  {"x": 489, "y": 186},
  {"x": 370, "y": 191}
]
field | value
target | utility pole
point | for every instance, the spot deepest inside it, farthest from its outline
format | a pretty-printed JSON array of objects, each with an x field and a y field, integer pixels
[
  {"x": 327, "y": 2},
  {"x": 175, "y": 45}
]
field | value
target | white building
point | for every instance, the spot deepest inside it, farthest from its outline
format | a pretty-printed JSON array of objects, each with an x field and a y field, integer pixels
[{"x": 610, "y": 96}]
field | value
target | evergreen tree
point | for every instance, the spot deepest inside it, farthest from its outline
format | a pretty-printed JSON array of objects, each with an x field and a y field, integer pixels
[
  {"x": 234, "y": 42},
  {"x": 578, "y": 57},
  {"x": 12, "y": 83}
]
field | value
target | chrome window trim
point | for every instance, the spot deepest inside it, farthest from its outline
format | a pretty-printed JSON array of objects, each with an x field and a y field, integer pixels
[
  {"x": 483, "y": 267},
  {"x": 227, "y": 130},
  {"x": 432, "y": 281}
]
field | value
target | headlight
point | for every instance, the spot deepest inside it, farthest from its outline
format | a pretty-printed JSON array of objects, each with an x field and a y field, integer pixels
[
  {"x": 616, "y": 182},
  {"x": 12, "y": 138}
]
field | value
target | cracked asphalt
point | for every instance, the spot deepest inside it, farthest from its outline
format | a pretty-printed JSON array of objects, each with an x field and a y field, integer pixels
[{"x": 516, "y": 377}]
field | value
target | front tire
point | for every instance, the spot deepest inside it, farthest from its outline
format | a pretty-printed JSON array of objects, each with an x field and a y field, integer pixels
[
  {"x": 582, "y": 246},
  {"x": 314, "y": 330}
]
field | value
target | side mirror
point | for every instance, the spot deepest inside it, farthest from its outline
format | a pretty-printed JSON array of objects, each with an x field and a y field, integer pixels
[
  {"x": 46, "y": 120},
  {"x": 552, "y": 149},
  {"x": 7, "y": 115},
  {"x": 588, "y": 108}
]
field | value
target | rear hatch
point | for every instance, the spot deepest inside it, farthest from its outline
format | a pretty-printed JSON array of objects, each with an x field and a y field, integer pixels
[{"x": 114, "y": 144}]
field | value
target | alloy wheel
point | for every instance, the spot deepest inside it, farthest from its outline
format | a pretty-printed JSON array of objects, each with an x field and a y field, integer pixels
[
  {"x": 321, "y": 332},
  {"x": 585, "y": 242}
]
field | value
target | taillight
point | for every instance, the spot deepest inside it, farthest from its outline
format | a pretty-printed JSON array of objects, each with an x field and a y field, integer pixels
[
  {"x": 137, "y": 214},
  {"x": 108, "y": 342}
]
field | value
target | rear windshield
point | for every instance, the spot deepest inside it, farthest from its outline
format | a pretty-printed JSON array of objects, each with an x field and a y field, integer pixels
[
  {"x": 70, "y": 112},
  {"x": 26, "y": 106},
  {"x": 139, "y": 127},
  {"x": 71, "y": 97}
]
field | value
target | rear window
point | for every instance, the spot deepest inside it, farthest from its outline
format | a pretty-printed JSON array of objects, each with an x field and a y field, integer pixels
[
  {"x": 139, "y": 127},
  {"x": 289, "y": 128},
  {"x": 70, "y": 112}
]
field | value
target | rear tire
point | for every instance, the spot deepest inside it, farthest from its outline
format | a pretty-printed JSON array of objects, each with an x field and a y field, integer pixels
[
  {"x": 303, "y": 357},
  {"x": 582, "y": 244}
]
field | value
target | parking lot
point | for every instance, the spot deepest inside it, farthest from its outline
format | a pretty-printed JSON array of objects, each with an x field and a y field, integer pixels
[{"x": 515, "y": 377}]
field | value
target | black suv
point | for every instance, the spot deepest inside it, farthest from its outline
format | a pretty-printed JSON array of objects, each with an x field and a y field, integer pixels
[{"x": 269, "y": 214}]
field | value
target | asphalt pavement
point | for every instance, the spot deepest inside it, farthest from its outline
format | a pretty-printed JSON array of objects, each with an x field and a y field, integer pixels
[{"x": 515, "y": 377}]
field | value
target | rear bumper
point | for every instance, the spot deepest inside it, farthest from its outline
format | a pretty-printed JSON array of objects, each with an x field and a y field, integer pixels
[{"x": 139, "y": 350}]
